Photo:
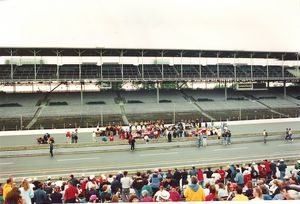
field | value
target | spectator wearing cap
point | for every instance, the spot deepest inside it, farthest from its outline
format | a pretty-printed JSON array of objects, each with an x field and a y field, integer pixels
[
  {"x": 71, "y": 193},
  {"x": 282, "y": 167},
  {"x": 164, "y": 196},
  {"x": 146, "y": 197},
  {"x": 56, "y": 196},
  {"x": 26, "y": 192},
  {"x": 40, "y": 195},
  {"x": 146, "y": 186},
  {"x": 194, "y": 192}
]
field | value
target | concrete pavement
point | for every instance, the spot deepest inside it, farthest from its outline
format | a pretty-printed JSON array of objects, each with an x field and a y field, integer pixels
[
  {"x": 141, "y": 159},
  {"x": 113, "y": 148}
]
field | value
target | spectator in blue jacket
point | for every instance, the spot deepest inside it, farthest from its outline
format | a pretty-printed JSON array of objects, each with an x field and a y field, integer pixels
[{"x": 282, "y": 167}]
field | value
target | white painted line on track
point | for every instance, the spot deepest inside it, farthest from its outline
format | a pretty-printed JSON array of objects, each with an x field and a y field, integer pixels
[
  {"x": 288, "y": 144},
  {"x": 90, "y": 158},
  {"x": 158, "y": 154},
  {"x": 7, "y": 163},
  {"x": 229, "y": 149}
]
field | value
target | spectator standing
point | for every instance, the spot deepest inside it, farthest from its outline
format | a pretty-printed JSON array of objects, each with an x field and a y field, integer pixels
[
  {"x": 68, "y": 137},
  {"x": 126, "y": 183},
  {"x": 282, "y": 167},
  {"x": 71, "y": 193},
  {"x": 200, "y": 177},
  {"x": 14, "y": 197},
  {"x": 239, "y": 178},
  {"x": 40, "y": 195},
  {"x": 155, "y": 181},
  {"x": 56, "y": 196},
  {"x": 7, "y": 187},
  {"x": 26, "y": 192}
]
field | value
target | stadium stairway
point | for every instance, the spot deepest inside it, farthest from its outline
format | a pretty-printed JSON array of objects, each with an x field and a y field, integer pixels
[
  {"x": 251, "y": 97},
  {"x": 191, "y": 99},
  {"x": 42, "y": 103},
  {"x": 120, "y": 100}
]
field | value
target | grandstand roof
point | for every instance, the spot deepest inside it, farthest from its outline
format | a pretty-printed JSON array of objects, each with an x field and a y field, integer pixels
[{"x": 53, "y": 51}]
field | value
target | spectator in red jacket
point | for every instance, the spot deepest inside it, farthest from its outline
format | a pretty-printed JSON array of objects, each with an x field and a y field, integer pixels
[
  {"x": 268, "y": 169},
  {"x": 71, "y": 193},
  {"x": 200, "y": 177},
  {"x": 222, "y": 173}
]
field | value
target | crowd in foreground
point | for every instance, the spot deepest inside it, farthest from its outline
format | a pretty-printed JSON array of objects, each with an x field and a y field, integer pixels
[{"x": 267, "y": 180}]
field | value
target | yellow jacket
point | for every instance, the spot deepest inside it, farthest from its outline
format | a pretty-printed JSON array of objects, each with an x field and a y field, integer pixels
[
  {"x": 6, "y": 189},
  {"x": 192, "y": 195},
  {"x": 240, "y": 198}
]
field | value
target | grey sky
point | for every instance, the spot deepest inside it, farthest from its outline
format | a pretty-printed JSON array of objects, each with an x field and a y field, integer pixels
[{"x": 262, "y": 25}]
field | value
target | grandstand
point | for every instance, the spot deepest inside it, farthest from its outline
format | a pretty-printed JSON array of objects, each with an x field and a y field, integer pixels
[{"x": 168, "y": 95}]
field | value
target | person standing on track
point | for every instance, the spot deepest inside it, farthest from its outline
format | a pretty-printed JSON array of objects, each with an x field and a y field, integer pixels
[
  {"x": 265, "y": 135},
  {"x": 51, "y": 147}
]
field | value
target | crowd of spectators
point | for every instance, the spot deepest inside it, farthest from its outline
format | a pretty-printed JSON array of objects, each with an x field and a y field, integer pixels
[{"x": 267, "y": 180}]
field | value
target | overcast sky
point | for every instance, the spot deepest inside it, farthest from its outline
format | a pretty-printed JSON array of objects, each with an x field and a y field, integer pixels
[{"x": 261, "y": 25}]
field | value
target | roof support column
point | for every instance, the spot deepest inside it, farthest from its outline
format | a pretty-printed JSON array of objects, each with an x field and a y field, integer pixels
[
  {"x": 251, "y": 66},
  {"x": 34, "y": 65},
  {"x": 80, "y": 64},
  {"x": 284, "y": 89},
  {"x": 181, "y": 66},
  {"x": 57, "y": 65},
  {"x": 101, "y": 64},
  {"x": 218, "y": 68},
  {"x": 11, "y": 66},
  {"x": 234, "y": 66},
  {"x": 267, "y": 66},
  {"x": 162, "y": 64},
  {"x": 122, "y": 66},
  {"x": 282, "y": 67},
  {"x": 157, "y": 92},
  {"x": 225, "y": 90},
  {"x": 143, "y": 64},
  {"x": 200, "y": 74}
]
